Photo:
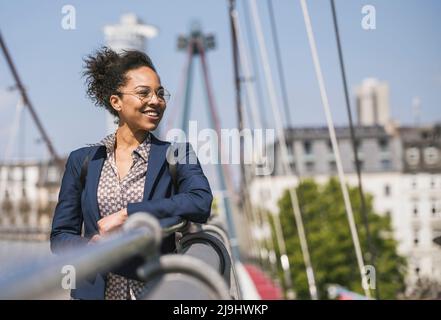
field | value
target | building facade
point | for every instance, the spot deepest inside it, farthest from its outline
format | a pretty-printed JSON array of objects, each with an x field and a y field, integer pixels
[
  {"x": 400, "y": 168},
  {"x": 372, "y": 99},
  {"x": 28, "y": 196}
]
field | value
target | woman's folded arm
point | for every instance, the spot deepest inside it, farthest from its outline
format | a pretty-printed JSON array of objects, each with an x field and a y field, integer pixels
[
  {"x": 67, "y": 220},
  {"x": 193, "y": 202}
]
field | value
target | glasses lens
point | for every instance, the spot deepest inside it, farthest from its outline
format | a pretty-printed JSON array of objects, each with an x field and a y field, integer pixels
[
  {"x": 166, "y": 95},
  {"x": 163, "y": 94},
  {"x": 144, "y": 94}
]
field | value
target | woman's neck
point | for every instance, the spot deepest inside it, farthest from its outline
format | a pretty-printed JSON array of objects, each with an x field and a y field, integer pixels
[{"x": 127, "y": 138}]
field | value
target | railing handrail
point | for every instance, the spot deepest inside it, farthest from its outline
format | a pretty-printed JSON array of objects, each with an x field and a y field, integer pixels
[
  {"x": 178, "y": 227},
  {"x": 220, "y": 234},
  {"x": 190, "y": 266},
  {"x": 141, "y": 234}
]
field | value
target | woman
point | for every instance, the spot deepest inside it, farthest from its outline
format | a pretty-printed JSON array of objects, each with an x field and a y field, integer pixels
[{"x": 126, "y": 172}]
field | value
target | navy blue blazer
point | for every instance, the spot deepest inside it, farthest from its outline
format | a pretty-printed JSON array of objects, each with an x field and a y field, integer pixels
[{"x": 77, "y": 205}]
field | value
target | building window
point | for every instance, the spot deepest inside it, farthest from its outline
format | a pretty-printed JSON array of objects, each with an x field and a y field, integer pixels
[
  {"x": 332, "y": 166},
  {"x": 293, "y": 166},
  {"x": 416, "y": 239},
  {"x": 414, "y": 183},
  {"x": 432, "y": 183},
  {"x": 435, "y": 207},
  {"x": 387, "y": 190},
  {"x": 431, "y": 155},
  {"x": 388, "y": 214},
  {"x": 290, "y": 150},
  {"x": 383, "y": 143},
  {"x": 329, "y": 146},
  {"x": 309, "y": 166},
  {"x": 415, "y": 209},
  {"x": 385, "y": 164},
  {"x": 307, "y": 147},
  {"x": 413, "y": 156}
]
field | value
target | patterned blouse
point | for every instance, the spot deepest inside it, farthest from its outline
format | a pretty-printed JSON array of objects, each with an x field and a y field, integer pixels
[{"x": 113, "y": 195}]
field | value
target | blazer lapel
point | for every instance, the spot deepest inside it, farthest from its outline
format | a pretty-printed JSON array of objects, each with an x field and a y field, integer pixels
[
  {"x": 94, "y": 173},
  {"x": 157, "y": 157}
]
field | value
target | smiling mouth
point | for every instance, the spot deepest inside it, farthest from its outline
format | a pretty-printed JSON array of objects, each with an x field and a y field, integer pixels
[{"x": 151, "y": 114}]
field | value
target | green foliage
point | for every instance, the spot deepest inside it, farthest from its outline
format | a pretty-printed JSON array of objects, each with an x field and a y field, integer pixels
[{"x": 330, "y": 243}]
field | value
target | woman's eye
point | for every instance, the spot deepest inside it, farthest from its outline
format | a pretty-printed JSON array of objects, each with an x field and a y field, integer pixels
[{"x": 144, "y": 94}]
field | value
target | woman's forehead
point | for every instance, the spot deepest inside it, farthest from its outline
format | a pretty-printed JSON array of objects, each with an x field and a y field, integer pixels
[{"x": 143, "y": 76}]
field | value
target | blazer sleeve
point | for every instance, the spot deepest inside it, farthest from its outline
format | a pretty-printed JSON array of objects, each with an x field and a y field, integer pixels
[
  {"x": 192, "y": 202},
  {"x": 68, "y": 219}
]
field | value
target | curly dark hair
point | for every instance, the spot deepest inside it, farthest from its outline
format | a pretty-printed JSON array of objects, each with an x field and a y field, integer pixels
[{"x": 105, "y": 72}]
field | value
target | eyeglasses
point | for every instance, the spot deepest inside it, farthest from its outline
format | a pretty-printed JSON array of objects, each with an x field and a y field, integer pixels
[{"x": 147, "y": 94}]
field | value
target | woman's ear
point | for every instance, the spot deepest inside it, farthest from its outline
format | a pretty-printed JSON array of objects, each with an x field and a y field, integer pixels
[{"x": 115, "y": 102}]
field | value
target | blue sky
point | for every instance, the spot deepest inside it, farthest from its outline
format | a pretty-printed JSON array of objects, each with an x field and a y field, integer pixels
[{"x": 404, "y": 50}]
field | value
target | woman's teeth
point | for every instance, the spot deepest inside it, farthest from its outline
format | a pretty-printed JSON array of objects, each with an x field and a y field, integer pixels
[{"x": 151, "y": 113}]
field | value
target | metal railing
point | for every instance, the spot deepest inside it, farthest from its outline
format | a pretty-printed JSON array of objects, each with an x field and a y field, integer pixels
[
  {"x": 211, "y": 243},
  {"x": 141, "y": 236}
]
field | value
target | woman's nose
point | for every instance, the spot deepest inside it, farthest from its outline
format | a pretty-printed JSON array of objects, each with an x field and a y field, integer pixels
[{"x": 154, "y": 99}]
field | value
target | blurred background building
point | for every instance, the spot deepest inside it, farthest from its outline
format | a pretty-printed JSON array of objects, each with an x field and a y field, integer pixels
[
  {"x": 401, "y": 169},
  {"x": 28, "y": 196}
]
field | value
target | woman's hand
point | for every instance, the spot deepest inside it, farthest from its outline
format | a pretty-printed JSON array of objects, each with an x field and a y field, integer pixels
[
  {"x": 112, "y": 222},
  {"x": 94, "y": 239}
]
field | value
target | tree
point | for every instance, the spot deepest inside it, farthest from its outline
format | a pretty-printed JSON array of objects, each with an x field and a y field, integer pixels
[{"x": 330, "y": 243}]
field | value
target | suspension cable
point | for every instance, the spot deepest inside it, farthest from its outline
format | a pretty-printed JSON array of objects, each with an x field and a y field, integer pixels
[
  {"x": 256, "y": 119},
  {"x": 243, "y": 182},
  {"x": 335, "y": 148},
  {"x": 253, "y": 58},
  {"x": 226, "y": 178},
  {"x": 370, "y": 244},
  {"x": 177, "y": 102},
  {"x": 284, "y": 151},
  {"x": 279, "y": 63},
  {"x": 28, "y": 104}
]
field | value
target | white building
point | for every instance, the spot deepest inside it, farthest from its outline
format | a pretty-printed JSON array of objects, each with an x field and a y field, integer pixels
[
  {"x": 372, "y": 98},
  {"x": 28, "y": 195},
  {"x": 413, "y": 201},
  {"x": 401, "y": 168}
]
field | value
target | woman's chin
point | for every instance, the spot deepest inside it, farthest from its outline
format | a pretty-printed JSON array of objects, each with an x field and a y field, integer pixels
[
  {"x": 150, "y": 126},
  {"x": 147, "y": 124}
]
